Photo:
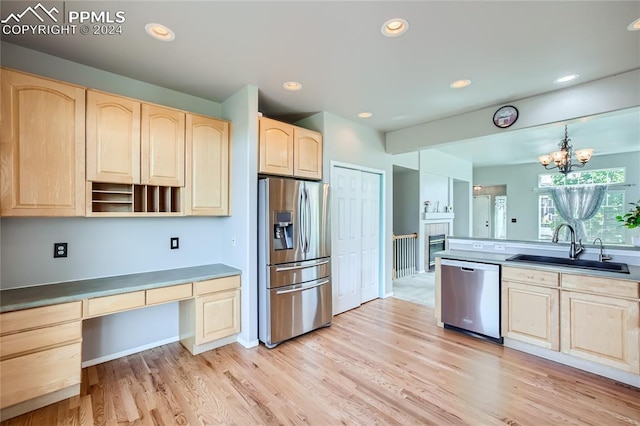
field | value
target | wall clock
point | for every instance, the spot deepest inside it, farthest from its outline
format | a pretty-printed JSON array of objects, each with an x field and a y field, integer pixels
[{"x": 505, "y": 116}]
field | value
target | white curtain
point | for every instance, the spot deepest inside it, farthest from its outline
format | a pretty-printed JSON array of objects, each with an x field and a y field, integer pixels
[
  {"x": 576, "y": 204},
  {"x": 500, "y": 217}
]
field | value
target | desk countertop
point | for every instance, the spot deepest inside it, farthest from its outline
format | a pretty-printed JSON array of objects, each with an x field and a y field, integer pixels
[{"x": 50, "y": 294}]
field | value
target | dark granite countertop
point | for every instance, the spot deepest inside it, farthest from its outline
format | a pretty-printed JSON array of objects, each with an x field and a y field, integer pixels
[
  {"x": 50, "y": 294},
  {"x": 501, "y": 259}
]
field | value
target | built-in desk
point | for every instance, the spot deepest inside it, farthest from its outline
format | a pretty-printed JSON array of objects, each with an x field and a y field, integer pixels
[{"x": 41, "y": 326}]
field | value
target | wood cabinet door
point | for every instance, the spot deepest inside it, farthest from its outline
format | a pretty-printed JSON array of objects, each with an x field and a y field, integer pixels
[
  {"x": 207, "y": 166},
  {"x": 275, "y": 147},
  {"x": 113, "y": 138},
  {"x": 531, "y": 314},
  {"x": 217, "y": 316},
  {"x": 42, "y": 147},
  {"x": 162, "y": 146},
  {"x": 307, "y": 149},
  {"x": 601, "y": 329}
]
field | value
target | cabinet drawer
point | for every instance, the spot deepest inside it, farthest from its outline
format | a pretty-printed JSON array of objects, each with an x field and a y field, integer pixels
[
  {"x": 530, "y": 276},
  {"x": 30, "y": 341},
  {"x": 607, "y": 286},
  {"x": 26, "y": 319},
  {"x": 38, "y": 374},
  {"x": 169, "y": 294},
  {"x": 110, "y": 304},
  {"x": 218, "y": 284}
]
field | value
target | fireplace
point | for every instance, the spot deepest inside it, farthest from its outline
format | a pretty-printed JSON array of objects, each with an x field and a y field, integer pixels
[{"x": 435, "y": 243}]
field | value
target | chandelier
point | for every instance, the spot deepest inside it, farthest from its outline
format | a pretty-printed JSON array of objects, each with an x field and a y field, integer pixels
[{"x": 562, "y": 158}]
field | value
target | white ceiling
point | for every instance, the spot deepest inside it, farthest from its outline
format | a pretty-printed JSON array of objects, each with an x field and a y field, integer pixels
[{"x": 509, "y": 49}]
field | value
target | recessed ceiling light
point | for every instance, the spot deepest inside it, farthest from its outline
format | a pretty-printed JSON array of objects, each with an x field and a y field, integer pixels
[
  {"x": 395, "y": 27},
  {"x": 160, "y": 32},
  {"x": 292, "y": 85},
  {"x": 634, "y": 26},
  {"x": 366, "y": 114},
  {"x": 567, "y": 78},
  {"x": 459, "y": 84}
]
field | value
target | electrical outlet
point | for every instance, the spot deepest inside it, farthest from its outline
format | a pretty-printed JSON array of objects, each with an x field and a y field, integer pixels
[
  {"x": 60, "y": 249},
  {"x": 477, "y": 245},
  {"x": 175, "y": 243}
]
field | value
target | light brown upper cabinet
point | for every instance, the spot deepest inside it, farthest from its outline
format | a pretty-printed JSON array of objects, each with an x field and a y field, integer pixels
[
  {"x": 162, "y": 146},
  {"x": 133, "y": 142},
  {"x": 307, "y": 153},
  {"x": 113, "y": 138},
  {"x": 288, "y": 150},
  {"x": 42, "y": 147},
  {"x": 207, "y": 166}
]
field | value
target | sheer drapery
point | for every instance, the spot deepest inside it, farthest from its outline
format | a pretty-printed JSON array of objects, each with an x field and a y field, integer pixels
[{"x": 576, "y": 204}]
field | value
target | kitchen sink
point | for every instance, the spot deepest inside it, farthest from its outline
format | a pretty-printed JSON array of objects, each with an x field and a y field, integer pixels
[{"x": 572, "y": 263}]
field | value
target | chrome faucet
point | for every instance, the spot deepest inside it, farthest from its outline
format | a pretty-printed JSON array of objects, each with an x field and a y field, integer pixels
[
  {"x": 601, "y": 257},
  {"x": 574, "y": 249}
]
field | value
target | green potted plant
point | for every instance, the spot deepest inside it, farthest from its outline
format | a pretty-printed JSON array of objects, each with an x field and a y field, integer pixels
[{"x": 631, "y": 220}]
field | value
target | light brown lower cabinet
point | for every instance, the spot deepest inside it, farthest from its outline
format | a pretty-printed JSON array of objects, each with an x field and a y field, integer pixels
[
  {"x": 40, "y": 360},
  {"x": 530, "y": 314},
  {"x": 212, "y": 315},
  {"x": 41, "y": 348},
  {"x": 589, "y": 317},
  {"x": 601, "y": 329}
]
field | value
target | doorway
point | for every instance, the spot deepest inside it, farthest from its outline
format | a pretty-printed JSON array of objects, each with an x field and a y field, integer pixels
[
  {"x": 356, "y": 212},
  {"x": 482, "y": 216}
]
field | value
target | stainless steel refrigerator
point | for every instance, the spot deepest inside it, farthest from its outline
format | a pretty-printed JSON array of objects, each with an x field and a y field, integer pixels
[{"x": 294, "y": 258}]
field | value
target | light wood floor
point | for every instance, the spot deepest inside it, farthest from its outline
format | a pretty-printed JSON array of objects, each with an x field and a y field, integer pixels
[{"x": 384, "y": 363}]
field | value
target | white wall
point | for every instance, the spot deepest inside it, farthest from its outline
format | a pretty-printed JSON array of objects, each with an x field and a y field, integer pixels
[
  {"x": 242, "y": 110},
  {"x": 114, "y": 246},
  {"x": 438, "y": 172},
  {"x": 349, "y": 142},
  {"x": 462, "y": 221},
  {"x": 522, "y": 200},
  {"x": 608, "y": 94}
]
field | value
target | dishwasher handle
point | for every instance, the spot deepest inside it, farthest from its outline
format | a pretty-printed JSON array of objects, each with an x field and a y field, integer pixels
[{"x": 467, "y": 266}]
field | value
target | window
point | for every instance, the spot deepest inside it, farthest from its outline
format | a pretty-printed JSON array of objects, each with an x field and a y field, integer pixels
[{"x": 603, "y": 224}]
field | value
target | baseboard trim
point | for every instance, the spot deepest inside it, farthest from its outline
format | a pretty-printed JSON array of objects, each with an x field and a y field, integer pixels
[
  {"x": 386, "y": 295},
  {"x": 571, "y": 361},
  {"x": 39, "y": 402},
  {"x": 111, "y": 357},
  {"x": 248, "y": 343}
]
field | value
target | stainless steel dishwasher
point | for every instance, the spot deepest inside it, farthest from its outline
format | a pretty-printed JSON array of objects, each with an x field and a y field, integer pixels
[{"x": 470, "y": 297}]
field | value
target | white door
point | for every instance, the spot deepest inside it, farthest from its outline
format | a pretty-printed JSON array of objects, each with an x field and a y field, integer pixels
[
  {"x": 482, "y": 216},
  {"x": 370, "y": 235},
  {"x": 346, "y": 258},
  {"x": 356, "y": 248}
]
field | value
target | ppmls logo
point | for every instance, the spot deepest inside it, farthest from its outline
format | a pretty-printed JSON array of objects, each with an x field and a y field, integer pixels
[
  {"x": 16, "y": 17},
  {"x": 43, "y": 20}
]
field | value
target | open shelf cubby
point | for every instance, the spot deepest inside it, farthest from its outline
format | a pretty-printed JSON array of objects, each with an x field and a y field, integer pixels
[{"x": 125, "y": 199}]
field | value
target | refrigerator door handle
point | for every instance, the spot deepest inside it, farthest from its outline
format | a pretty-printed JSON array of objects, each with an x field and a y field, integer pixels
[
  {"x": 292, "y": 268},
  {"x": 301, "y": 215},
  {"x": 303, "y": 288},
  {"x": 308, "y": 230}
]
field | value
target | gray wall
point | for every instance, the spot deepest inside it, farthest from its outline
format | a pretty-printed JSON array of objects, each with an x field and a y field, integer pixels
[
  {"x": 115, "y": 246},
  {"x": 406, "y": 201},
  {"x": 522, "y": 200},
  {"x": 462, "y": 208}
]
